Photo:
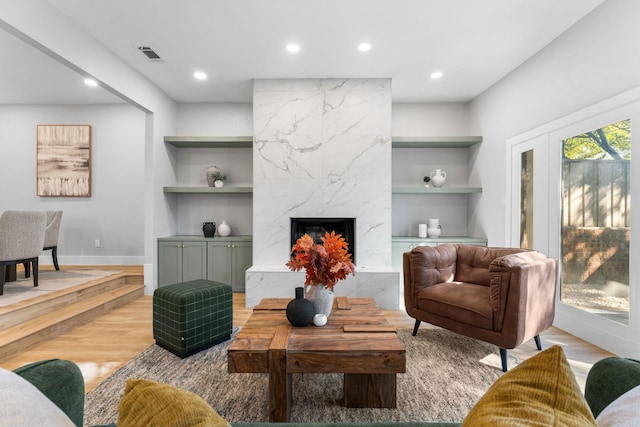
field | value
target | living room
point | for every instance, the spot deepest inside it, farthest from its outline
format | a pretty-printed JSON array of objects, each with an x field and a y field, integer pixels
[{"x": 129, "y": 211}]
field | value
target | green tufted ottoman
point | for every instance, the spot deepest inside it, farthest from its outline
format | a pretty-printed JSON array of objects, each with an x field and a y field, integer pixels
[{"x": 191, "y": 316}]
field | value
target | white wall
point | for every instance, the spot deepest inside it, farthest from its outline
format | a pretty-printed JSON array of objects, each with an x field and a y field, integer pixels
[
  {"x": 114, "y": 212},
  {"x": 594, "y": 60},
  {"x": 40, "y": 24}
]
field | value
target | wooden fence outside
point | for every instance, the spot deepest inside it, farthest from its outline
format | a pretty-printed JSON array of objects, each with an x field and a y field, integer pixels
[{"x": 596, "y": 193}]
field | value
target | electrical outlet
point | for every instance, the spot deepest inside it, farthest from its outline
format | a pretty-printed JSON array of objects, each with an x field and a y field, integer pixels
[{"x": 97, "y": 243}]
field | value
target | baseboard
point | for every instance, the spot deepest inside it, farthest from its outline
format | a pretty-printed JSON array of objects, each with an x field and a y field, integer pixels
[{"x": 45, "y": 259}]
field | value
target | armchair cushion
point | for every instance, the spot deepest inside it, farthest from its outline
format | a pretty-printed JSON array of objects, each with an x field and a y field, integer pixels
[{"x": 21, "y": 234}]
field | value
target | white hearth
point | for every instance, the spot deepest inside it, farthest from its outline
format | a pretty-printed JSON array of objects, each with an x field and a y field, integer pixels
[{"x": 322, "y": 148}]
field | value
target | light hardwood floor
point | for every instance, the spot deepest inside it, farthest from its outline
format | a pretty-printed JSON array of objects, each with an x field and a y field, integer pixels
[{"x": 101, "y": 346}]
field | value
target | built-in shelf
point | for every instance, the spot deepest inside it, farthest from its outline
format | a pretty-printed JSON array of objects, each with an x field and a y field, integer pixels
[
  {"x": 436, "y": 190},
  {"x": 434, "y": 141},
  {"x": 209, "y": 141},
  {"x": 227, "y": 189},
  {"x": 439, "y": 240}
]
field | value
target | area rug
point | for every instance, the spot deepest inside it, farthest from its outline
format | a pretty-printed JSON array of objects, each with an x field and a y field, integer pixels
[
  {"x": 48, "y": 281},
  {"x": 446, "y": 375}
]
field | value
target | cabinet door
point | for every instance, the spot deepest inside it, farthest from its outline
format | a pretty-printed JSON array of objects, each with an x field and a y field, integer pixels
[
  {"x": 219, "y": 262},
  {"x": 194, "y": 261},
  {"x": 169, "y": 263},
  {"x": 242, "y": 259}
]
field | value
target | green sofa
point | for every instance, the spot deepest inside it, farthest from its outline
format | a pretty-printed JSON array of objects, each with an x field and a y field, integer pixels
[{"x": 61, "y": 382}]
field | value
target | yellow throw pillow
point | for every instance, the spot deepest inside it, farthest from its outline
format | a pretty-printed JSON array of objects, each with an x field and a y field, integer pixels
[
  {"x": 542, "y": 391},
  {"x": 149, "y": 403}
]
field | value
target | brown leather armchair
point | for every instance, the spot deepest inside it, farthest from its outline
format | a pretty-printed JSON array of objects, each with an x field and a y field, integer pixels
[{"x": 504, "y": 296}]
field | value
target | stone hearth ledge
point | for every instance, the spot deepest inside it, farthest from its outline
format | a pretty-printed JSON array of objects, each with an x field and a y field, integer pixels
[{"x": 380, "y": 283}]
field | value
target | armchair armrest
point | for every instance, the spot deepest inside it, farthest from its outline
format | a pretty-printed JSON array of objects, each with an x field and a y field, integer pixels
[{"x": 520, "y": 283}]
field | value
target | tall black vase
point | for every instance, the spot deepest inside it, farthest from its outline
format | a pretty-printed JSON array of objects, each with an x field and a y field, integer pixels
[
  {"x": 300, "y": 310},
  {"x": 209, "y": 229}
]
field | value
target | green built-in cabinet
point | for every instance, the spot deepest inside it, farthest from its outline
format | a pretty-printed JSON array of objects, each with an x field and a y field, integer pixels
[
  {"x": 227, "y": 262},
  {"x": 181, "y": 261},
  {"x": 221, "y": 259}
]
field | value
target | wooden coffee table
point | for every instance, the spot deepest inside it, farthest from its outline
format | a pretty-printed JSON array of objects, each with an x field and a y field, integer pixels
[{"x": 357, "y": 341}]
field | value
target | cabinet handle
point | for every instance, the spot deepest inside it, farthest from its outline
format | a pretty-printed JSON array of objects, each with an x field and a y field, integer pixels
[
  {"x": 233, "y": 246},
  {"x": 228, "y": 246}
]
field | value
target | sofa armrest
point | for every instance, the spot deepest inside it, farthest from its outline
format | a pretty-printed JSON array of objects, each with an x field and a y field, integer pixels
[
  {"x": 61, "y": 381},
  {"x": 608, "y": 379}
]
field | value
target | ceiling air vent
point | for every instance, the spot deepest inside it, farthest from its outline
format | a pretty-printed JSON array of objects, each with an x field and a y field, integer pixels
[{"x": 149, "y": 53}]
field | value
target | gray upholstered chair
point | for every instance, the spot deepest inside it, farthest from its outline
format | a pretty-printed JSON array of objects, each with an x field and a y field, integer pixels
[
  {"x": 503, "y": 296},
  {"x": 51, "y": 233},
  {"x": 21, "y": 240}
]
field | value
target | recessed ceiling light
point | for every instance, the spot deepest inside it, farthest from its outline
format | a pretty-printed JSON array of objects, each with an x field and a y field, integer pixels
[
  {"x": 436, "y": 75},
  {"x": 293, "y": 48},
  {"x": 199, "y": 75},
  {"x": 90, "y": 82},
  {"x": 364, "y": 47}
]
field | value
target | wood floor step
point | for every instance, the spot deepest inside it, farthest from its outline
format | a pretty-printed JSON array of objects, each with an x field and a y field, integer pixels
[
  {"x": 23, "y": 311},
  {"x": 25, "y": 335}
]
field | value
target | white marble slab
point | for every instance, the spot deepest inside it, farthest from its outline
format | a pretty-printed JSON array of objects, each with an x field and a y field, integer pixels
[{"x": 322, "y": 149}]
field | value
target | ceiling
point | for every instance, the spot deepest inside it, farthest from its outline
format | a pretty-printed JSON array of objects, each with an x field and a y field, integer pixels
[{"x": 474, "y": 43}]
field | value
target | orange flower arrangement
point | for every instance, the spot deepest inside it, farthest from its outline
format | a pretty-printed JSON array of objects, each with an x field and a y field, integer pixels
[{"x": 325, "y": 263}]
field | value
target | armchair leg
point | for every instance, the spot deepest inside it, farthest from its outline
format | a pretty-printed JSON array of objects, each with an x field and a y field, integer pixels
[
  {"x": 2, "y": 279},
  {"x": 415, "y": 328},
  {"x": 54, "y": 254},
  {"x": 503, "y": 357},
  {"x": 538, "y": 344},
  {"x": 27, "y": 270}
]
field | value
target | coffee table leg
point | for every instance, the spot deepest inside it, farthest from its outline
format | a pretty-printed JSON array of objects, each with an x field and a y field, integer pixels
[
  {"x": 279, "y": 379},
  {"x": 370, "y": 390}
]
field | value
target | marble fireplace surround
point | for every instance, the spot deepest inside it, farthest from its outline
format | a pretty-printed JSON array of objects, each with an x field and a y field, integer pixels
[{"x": 322, "y": 149}]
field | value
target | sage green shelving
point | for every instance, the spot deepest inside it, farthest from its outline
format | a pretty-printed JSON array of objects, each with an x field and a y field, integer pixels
[
  {"x": 209, "y": 141},
  {"x": 226, "y": 189}
]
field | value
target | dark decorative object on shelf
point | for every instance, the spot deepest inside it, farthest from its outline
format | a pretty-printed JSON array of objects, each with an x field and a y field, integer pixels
[
  {"x": 209, "y": 229},
  {"x": 300, "y": 310}
]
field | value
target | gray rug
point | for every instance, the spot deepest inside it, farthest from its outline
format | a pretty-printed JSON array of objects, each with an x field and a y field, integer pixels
[{"x": 446, "y": 375}]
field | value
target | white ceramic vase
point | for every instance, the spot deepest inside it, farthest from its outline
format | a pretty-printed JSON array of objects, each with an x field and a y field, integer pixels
[
  {"x": 223, "y": 229},
  {"x": 434, "y": 229},
  {"x": 218, "y": 183},
  {"x": 438, "y": 177},
  {"x": 321, "y": 297}
]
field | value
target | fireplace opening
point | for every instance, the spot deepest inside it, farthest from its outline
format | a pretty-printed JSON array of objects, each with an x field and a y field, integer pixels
[{"x": 317, "y": 227}]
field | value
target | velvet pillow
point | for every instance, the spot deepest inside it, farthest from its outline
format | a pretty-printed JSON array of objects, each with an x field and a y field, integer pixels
[
  {"x": 22, "y": 404},
  {"x": 622, "y": 412},
  {"x": 149, "y": 403},
  {"x": 541, "y": 391}
]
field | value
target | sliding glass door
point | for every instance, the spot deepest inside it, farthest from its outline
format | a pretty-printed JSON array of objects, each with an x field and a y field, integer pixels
[{"x": 570, "y": 197}]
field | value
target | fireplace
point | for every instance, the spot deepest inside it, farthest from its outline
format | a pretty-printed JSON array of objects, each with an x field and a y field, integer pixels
[{"x": 317, "y": 227}]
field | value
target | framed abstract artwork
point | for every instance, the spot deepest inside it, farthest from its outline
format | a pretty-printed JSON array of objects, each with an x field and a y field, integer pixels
[{"x": 63, "y": 160}]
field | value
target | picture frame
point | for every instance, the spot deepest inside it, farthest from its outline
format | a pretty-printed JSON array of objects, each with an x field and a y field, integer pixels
[{"x": 63, "y": 155}]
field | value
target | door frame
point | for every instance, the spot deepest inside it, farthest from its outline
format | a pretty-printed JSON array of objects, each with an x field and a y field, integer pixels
[{"x": 623, "y": 340}]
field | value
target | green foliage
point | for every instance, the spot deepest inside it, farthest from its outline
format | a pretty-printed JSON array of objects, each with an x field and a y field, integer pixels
[{"x": 609, "y": 142}]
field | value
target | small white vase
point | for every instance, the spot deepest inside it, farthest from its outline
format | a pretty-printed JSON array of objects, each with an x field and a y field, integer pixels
[
  {"x": 218, "y": 183},
  {"x": 438, "y": 177},
  {"x": 434, "y": 229},
  {"x": 223, "y": 229},
  {"x": 321, "y": 297}
]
